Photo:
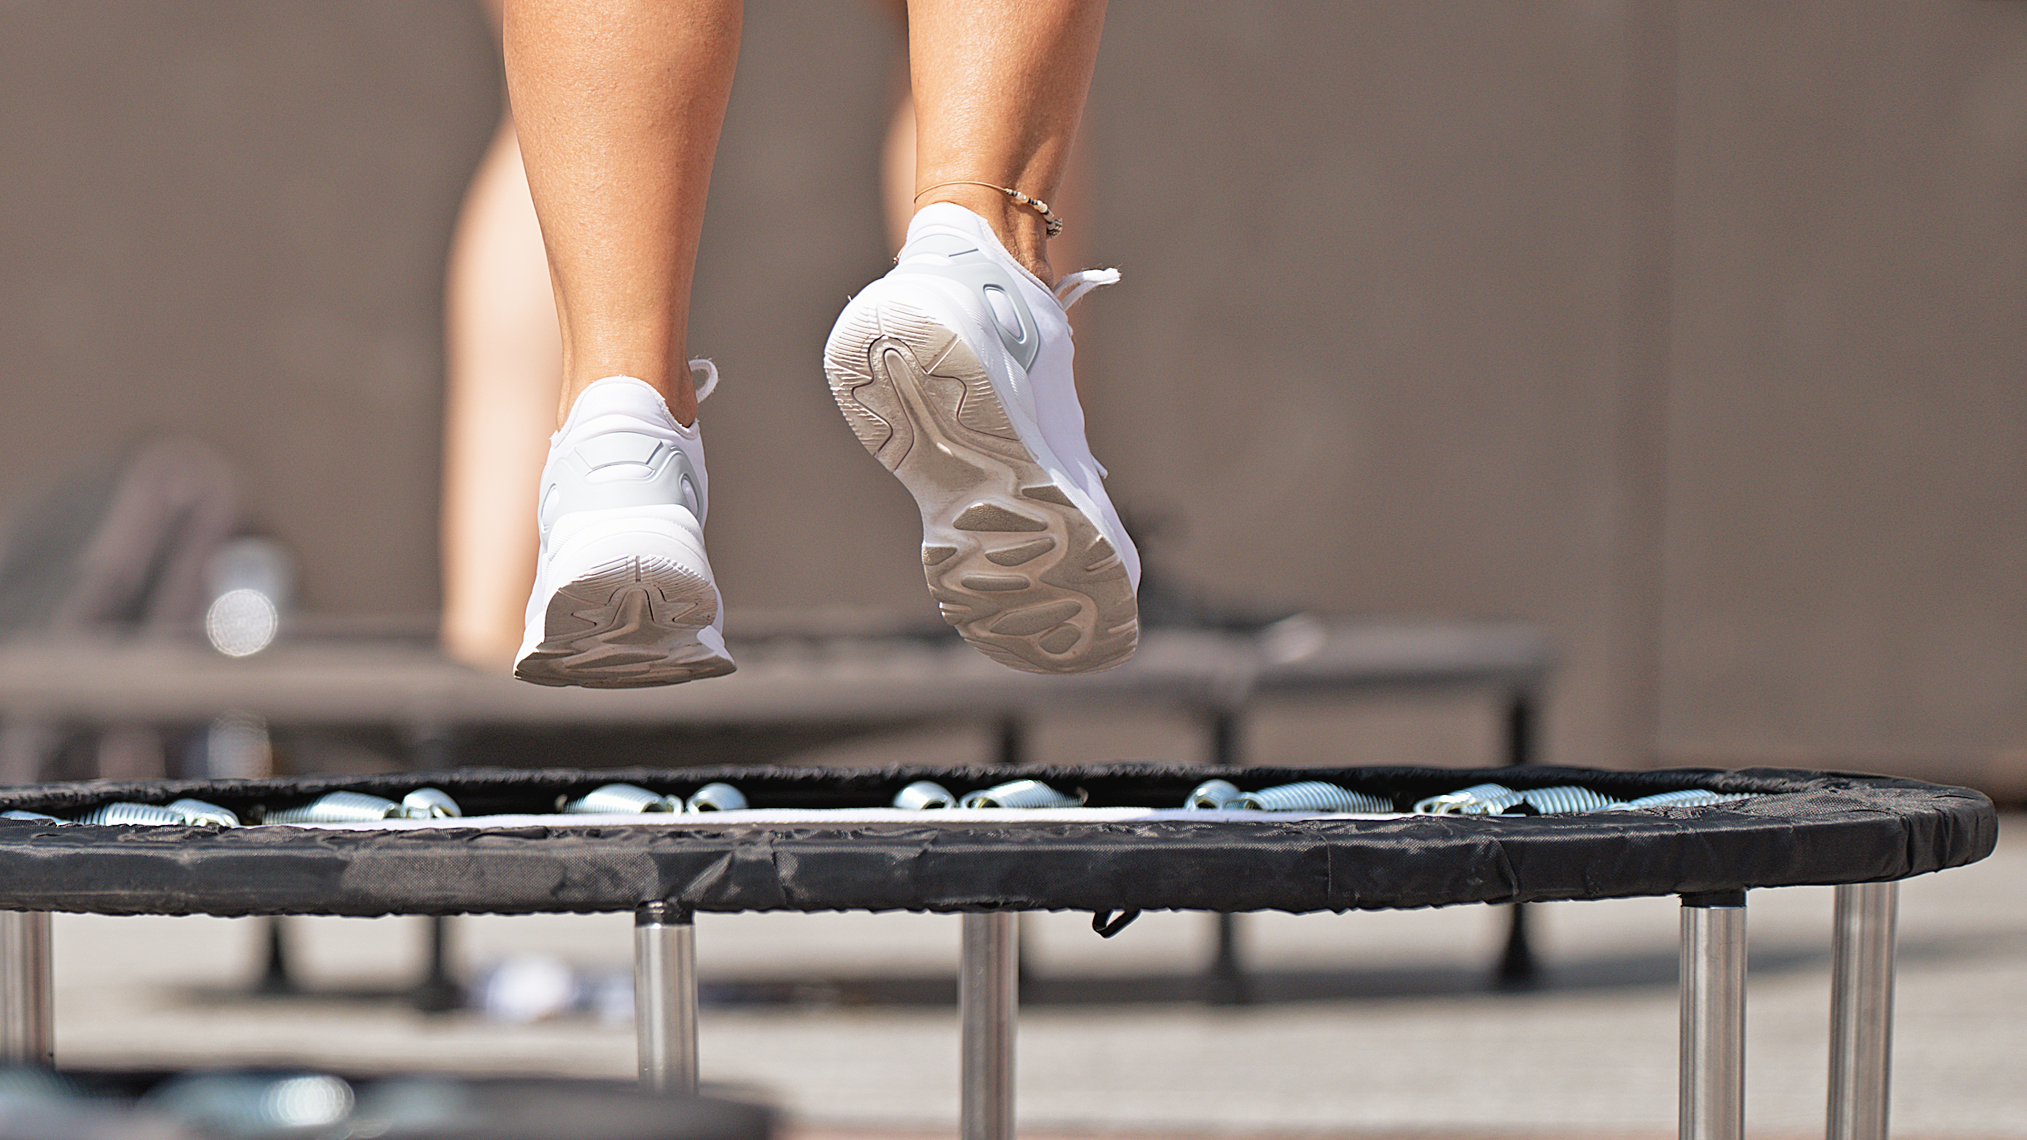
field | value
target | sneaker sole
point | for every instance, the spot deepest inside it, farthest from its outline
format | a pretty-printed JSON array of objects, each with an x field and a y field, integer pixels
[
  {"x": 1021, "y": 572},
  {"x": 630, "y": 623}
]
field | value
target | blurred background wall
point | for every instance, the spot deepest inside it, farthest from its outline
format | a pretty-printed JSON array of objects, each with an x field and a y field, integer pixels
[{"x": 1692, "y": 331}]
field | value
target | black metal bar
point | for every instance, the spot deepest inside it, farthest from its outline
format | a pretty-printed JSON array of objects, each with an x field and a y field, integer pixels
[
  {"x": 1224, "y": 737},
  {"x": 275, "y": 975},
  {"x": 435, "y": 748},
  {"x": 1517, "y": 967},
  {"x": 1226, "y": 982},
  {"x": 439, "y": 991},
  {"x": 1013, "y": 742}
]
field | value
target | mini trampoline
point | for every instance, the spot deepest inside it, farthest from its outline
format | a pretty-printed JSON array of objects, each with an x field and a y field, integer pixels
[{"x": 815, "y": 840}]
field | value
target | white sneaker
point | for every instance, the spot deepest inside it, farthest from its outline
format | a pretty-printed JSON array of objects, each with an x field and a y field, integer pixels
[
  {"x": 623, "y": 593},
  {"x": 955, "y": 372}
]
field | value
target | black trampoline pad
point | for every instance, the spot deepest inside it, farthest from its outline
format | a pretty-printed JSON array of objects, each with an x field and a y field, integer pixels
[{"x": 1805, "y": 828}]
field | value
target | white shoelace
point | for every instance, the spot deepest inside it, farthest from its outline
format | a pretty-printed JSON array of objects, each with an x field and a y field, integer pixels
[
  {"x": 1073, "y": 286},
  {"x": 704, "y": 377}
]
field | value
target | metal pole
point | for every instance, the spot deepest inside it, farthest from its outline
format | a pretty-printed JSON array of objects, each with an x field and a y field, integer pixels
[
  {"x": 1517, "y": 968},
  {"x": 988, "y": 1000},
  {"x": 1861, "y": 1010},
  {"x": 439, "y": 991},
  {"x": 665, "y": 997},
  {"x": 1712, "y": 1105},
  {"x": 27, "y": 1035}
]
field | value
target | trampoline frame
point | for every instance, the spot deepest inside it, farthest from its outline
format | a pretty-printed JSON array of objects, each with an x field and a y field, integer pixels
[
  {"x": 1712, "y": 1060},
  {"x": 1935, "y": 827}
]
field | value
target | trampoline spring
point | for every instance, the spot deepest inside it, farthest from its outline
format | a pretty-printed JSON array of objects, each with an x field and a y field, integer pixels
[
  {"x": 1568, "y": 799},
  {"x": 148, "y": 814},
  {"x": 717, "y": 797},
  {"x": 1478, "y": 799},
  {"x": 339, "y": 807},
  {"x": 924, "y": 795},
  {"x": 1212, "y": 795},
  {"x": 254, "y": 1104},
  {"x": 1687, "y": 797},
  {"x": 1021, "y": 794},
  {"x": 31, "y": 816},
  {"x": 198, "y": 812},
  {"x": 620, "y": 799},
  {"x": 1311, "y": 795},
  {"x": 430, "y": 803}
]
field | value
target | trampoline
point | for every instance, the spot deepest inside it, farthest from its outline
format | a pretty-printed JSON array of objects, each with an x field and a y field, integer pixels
[{"x": 816, "y": 840}]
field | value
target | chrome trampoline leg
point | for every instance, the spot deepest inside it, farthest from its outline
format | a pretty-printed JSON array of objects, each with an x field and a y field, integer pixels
[
  {"x": 988, "y": 1000},
  {"x": 665, "y": 997},
  {"x": 27, "y": 1034},
  {"x": 1712, "y": 1104},
  {"x": 1861, "y": 1010}
]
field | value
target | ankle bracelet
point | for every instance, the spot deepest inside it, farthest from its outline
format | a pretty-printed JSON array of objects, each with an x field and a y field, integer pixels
[{"x": 1051, "y": 224}]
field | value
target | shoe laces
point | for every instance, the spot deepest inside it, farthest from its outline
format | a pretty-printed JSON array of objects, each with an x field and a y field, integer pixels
[
  {"x": 704, "y": 375},
  {"x": 1073, "y": 286}
]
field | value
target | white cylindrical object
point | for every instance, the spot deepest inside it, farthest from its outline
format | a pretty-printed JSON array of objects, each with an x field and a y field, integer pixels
[
  {"x": 199, "y": 812},
  {"x": 1861, "y": 1010},
  {"x": 339, "y": 807},
  {"x": 717, "y": 797},
  {"x": 1712, "y": 1090},
  {"x": 27, "y": 1035},
  {"x": 620, "y": 799},
  {"x": 1020, "y": 794},
  {"x": 1212, "y": 795},
  {"x": 924, "y": 795},
  {"x": 988, "y": 1000},
  {"x": 665, "y": 997},
  {"x": 147, "y": 815},
  {"x": 430, "y": 803}
]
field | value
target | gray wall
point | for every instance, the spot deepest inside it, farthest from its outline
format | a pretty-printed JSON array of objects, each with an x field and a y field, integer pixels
[{"x": 1691, "y": 331}]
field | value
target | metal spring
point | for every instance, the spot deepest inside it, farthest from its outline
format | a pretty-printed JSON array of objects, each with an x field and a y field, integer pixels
[
  {"x": 1020, "y": 794},
  {"x": 1478, "y": 799},
  {"x": 147, "y": 814},
  {"x": 620, "y": 799},
  {"x": 1688, "y": 797},
  {"x": 1311, "y": 795},
  {"x": 198, "y": 813},
  {"x": 1212, "y": 795},
  {"x": 1568, "y": 799},
  {"x": 717, "y": 797},
  {"x": 254, "y": 1104},
  {"x": 924, "y": 795},
  {"x": 339, "y": 807},
  {"x": 430, "y": 803}
]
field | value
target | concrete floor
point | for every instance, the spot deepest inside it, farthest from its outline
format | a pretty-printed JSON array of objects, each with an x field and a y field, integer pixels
[{"x": 1366, "y": 1024}]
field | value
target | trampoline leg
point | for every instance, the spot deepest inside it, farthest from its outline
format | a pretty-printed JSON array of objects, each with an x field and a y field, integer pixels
[
  {"x": 988, "y": 1000},
  {"x": 439, "y": 992},
  {"x": 1861, "y": 1010},
  {"x": 1517, "y": 968},
  {"x": 26, "y": 1033},
  {"x": 1226, "y": 982},
  {"x": 665, "y": 997},
  {"x": 1712, "y": 1105}
]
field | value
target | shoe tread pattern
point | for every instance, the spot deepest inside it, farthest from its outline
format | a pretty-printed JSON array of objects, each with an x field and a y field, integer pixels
[
  {"x": 1012, "y": 563},
  {"x": 628, "y": 624}
]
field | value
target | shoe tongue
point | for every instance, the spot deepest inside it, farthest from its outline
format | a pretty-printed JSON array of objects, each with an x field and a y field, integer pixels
[
  {"x": 619, "y": 394},
  {"x": 948, "y": 214}
]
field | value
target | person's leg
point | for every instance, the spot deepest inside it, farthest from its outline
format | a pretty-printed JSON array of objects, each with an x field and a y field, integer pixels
[
  {"x": 619, "y": 106},
  {"x": 954, "y": 369},
  {"x": 999, "y": 87},
  {"x": 503, "y": 366}
]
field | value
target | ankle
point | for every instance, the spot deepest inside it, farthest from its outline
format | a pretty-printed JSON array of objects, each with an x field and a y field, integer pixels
[
  {"x": 1020, "y": 229},
  {"x": 676, "y": 390}
]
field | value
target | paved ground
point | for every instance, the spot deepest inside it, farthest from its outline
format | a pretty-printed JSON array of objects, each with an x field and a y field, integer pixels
[{"x": 1374, "y": 1025}]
